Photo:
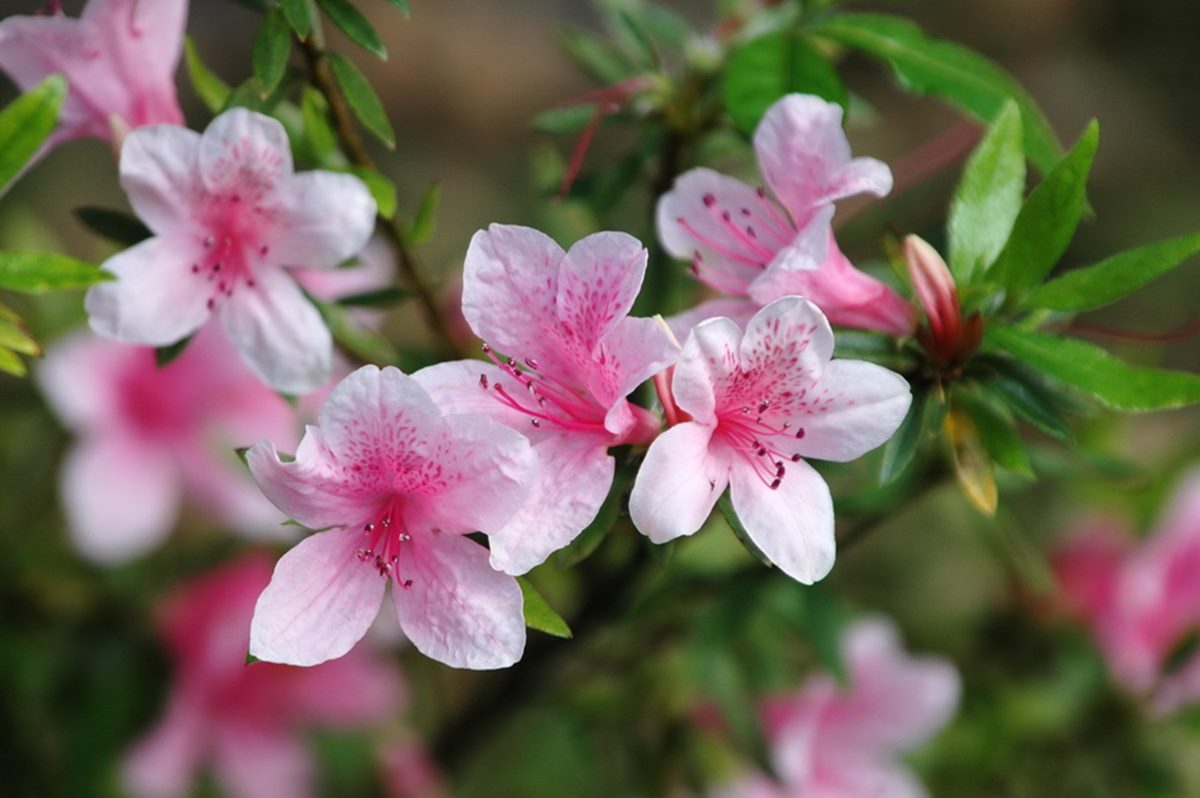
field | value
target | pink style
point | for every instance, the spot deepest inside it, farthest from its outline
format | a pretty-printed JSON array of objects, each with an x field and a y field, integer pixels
[
  {"x": 248, "y": 722},
  {"x": 756, "y": 405},
  {"x": 565, "y": 355},
  {"x": 150, "y": 439},
  {"x": 1142, "y": 599},
  {"x": 119, "y": 58},
  {"x": 396, "y": 487},
  {"x": 833, "y": 741},
  {"x": 761, "y": 244},
  {"x": 231, "y": 222}
]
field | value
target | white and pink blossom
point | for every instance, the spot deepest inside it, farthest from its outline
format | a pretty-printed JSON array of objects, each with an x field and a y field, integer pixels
[
  {"x": 573, "y": 355},
  {"x": 758, "y": 403},
  {"x": 830, "y": 741},
  {"x": 761, "y": 244},
  {"x": 396, "y": 487},
  {"x": 231, "y": 221},
  {"x": 119, "y": 58},
  {"x": 150, "y": 438},
  {"x": 247, "y": 722}
]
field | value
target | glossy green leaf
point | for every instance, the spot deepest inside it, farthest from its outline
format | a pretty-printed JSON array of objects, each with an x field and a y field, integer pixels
[
  {"x": 988, "y": 198},
  {"x": 211, "y": 90},
  {"x": 997, "y": 431},
  {"x": 116, "y": 226},
  {"x": 1025, "y": 393},
  {"x": 538, "y": 613},
  {"x": 900, "y": 449},
  {"x": 314, "y": 114},
  {"x": 352, "y": 23},
  {"x": 1093, "y": 371},
  {"x": 423, "y": 224},
  {"x": 925, "y": 65},
  {"x": 272, "y": 47},
  {"x": 25, "y": 124},
  {"x": 765, "y": 69},
  {"x": 1115, "y": 277},
  {"x": 39, "y": 272},
  {"x": 298, "y": 14},
  {"x": 362, "y": 98},
  {"x": 1047, "y": 221},
  {"x": 382, "y": 189}
]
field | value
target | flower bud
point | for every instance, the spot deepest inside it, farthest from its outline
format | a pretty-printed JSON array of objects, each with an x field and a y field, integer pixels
[{"x": 946, "y": 337}]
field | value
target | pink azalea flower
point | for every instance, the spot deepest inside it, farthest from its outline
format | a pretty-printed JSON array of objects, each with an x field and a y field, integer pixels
[
  {"x": 148, "y": 437},
  {"x": 230, "y": 221},
  {"x": 1142, "y": 599},
  {"x": 246, "y": 720},
  {"x": 832, "y": 742},
  {"x": 574, "y": 356},
  {"x": 119, "y": 59},
  {"x": 397, "y": 486},
  {"x": 746, "y": 242},
  {"x": 759, "y": 403}
]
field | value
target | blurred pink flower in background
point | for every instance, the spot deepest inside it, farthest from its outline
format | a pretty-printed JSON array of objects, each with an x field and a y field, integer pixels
[
  {"x": 247, "y": 721},
  {"x": 408, "y": 772},
  {"x": 745, "y": 242},
  {"x": 1142, "y": 598},
  {"x": 151, "y": 437},
  {"x": 829, "y": 741},
  {"x": 374, "y": 271},
  {"x": 119, "y": 58}
]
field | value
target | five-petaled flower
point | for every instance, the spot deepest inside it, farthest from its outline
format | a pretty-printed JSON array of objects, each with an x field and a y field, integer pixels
[
  {"x": 248, "y": 721},
  {"x": 151, "y": 436},
  {"x": 573, "y": 356},
  {"x": 230, "y": 220},
  {"x": 119, "y": 59},
  {"x": 397, "y": 487},
  {"x": 829, "y": 741},
  {"x": 746, "y": 242},
  {"x": 759, "y": 403}
]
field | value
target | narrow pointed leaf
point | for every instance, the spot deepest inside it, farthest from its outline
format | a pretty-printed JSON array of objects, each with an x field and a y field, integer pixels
[
  {"x": 403, "y": 5},
  {"x": 596, "y": 57},
  {"x": 424, "y": 222},
  {"x": 900, "y": 449},
  {"x": 1115, "y": 277},
  {"x": 298, "y": 14},
  {"x": 997, "y": 431},
  {"x": 352, "y": 23},
  {"x": 1025, "y": 393},
  {"x": 382, "y": 189},
  {"x": 765, "y": 69},
  {"x": 364, "y": 344},
  {"x": 539, "y": 614},
  {"x": 314, "y": 113},
  {"x": 11, "y": 364},
  {"x": 211, "y": 90},
  {"x": 165, "y": 355},
  {"x": 25, "y": 124},
  {"x": 116, "y": 226},
  {"x": 362, "y": 98},
  {"x": 379, "y": 298},
  {"x": 972, "y": 465},
  {"x": 39, "y": 272},
  {"x": 14, "y": 336},
  {"x": 1093, "y": 371},
  {"x": 272, "y": 46},
  {"x": 569, "y": 119}
]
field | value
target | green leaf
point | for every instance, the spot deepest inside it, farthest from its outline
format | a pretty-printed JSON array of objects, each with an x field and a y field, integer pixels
[
  {"x": 39, "y": 272},
  {"x": 1115, "y": 277},
  {"x": 538, "y": 613},
  {"x": 423, "y": 223},
  {"x": 1047, "y": 221},
  {"x": 996, "y": 430},
  {"x": 211, "y": 90},
  {"x": 1027, "y": 396},
  {"x": 354, "y": 25},
  {"x": 596, "y": 57},
  {"x": 988, "y": 198},
  {"x": 314, "y": 113},
  {"x": 115, "y": 226},
  {"x": 765, "y": 69},
  {"x": 14, "y": 336},
  {"x": 403, "y": 5},
  {"x": 298, "y": 14},
  {"x": 570, "y": 119},
  {"x": 925, "y": 65},
  {"x": 364, "y": 344},
  {"x": 272, "y": 47},
  {"x": 382, "y": 189},
  {"x": 362, "y": 98},
  {"x": 594, "y": 533},
  {"x": 11, "y": 364},
  {"x": 379, "y": 298},
  {"x": 250, "y": 658},
  {"x": 1090, "y": 369},
  {"x": 725, "y": 503},
  {"x": 899, "y": 451},
  {"x": 165, "y": 355},
  {"x": 972, "y": 462},
  {"x": 25, "y": 124},
  {"x": 823, "y": 625}
]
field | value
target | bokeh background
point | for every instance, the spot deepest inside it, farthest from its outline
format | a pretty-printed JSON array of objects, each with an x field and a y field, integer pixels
[{"x": 81, "y": 674}]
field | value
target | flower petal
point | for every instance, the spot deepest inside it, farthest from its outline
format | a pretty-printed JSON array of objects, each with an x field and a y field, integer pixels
[
  {"x": 320, "y": 602},
  {"x": 457, "y": 388},
  {"x": 76, "y": 377},
  {"x": 121, "y": 497},
  {"x": 632, "y": 352},
  {"x": 458, "y": 610},
  {"x": 144, "y": 41},
  {"x": 793, "y": 524},
  {"x": 306, "y": 489},
  {"x": 245, "y": 153},
  {"x": 791, "y": 337},
  {"x": 262, "y": 762},
  {"x": 574, "y": 474},
  {"x": 597, "y": 282},
  {"x": 678, "y": 483},
  {"x": 374, "y": 411},
  {"x": 158, "y": 172},
  {"x": 153, "y": 301},
  {"x": 351, "y": 691},
  {"x": 739, "y": 311},
  {"x": 324, "y": 219},
  {"x": 856, "y": 407},
  {"x": 708, "y": 357},
  {"x": 163, "y": 763},
  {"x": 278, "y": 333}
]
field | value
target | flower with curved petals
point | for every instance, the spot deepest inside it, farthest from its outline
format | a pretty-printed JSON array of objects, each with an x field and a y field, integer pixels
[
  {"x": 396, "y": 487},
  {"x": 574, "y": 356},
  {"x": 230, "y": 222},
  {"x": 248, "y": 721},
  {"x": 759, "y": 403},
  {"x": 746, "y": 242},
  {"x": 119, "y": 59}
]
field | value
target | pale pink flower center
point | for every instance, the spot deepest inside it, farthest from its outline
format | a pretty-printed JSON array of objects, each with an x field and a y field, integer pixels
[
  {"x": 230, "y": 252},
  {"x": 755, "y": 234},
  {"x": 542, "y": 397}
]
